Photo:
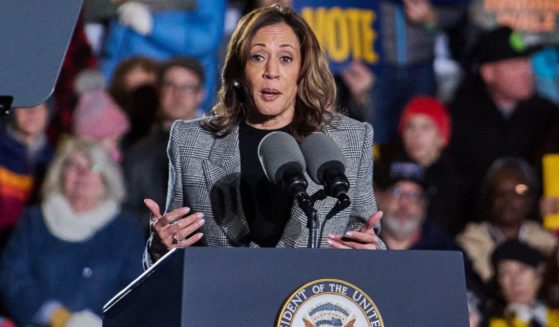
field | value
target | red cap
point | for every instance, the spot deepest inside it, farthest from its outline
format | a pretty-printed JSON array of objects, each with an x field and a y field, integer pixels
[{"x": 431, "y": 107}]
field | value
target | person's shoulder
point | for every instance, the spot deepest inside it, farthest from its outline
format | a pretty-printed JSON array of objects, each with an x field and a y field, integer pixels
[
  {"x": 191, "y": 134},
  {"x": 125, "y": 223},
  {"x": 342, "y": 122},
  {"x": 541, "y": 104},
  {"x": 32, "y": 220},
  {"x": 534, "y": 227},
  {"x": 346, "y": 130},
  {"x": 194, "y": 125},
  {"x": 143, "y": 145},
  {"x": 474, "y": 230},
  {"x": 190, "y": 128}
]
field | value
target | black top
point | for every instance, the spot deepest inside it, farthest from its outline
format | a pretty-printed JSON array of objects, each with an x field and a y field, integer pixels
[
  {"x": 266, "y": 206},
  {"x": 481, "y": 134}
]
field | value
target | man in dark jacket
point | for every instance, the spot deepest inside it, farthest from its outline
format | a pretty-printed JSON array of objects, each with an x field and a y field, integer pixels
[
  {"x": 496, "y": 112},
  {"x": 180, "y": 90}
]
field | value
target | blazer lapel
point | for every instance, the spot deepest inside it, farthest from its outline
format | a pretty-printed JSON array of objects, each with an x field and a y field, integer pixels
[{"x": 222, "y": 172}]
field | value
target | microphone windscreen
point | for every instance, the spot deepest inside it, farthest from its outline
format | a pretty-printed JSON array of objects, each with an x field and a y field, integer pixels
[
  {"x": 321, "y": 153},
  {"x": 279, "y": 152}
]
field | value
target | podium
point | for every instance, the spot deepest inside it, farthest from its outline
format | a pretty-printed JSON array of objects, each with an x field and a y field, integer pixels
[{"x": 269, "y": 287}]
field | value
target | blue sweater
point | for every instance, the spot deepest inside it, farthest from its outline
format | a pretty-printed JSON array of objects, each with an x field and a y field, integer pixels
[
  {"x": 20, "y": 175},
  {"x": 37, "y": 267},
  {"x": 194, "y": 34}
]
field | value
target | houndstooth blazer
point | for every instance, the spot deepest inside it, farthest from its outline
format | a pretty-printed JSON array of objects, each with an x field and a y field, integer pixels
[{"x": 204, "y": 174}]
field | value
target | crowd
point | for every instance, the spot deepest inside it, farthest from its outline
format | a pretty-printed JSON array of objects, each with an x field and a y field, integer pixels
[{"x": 457, "y": 162}]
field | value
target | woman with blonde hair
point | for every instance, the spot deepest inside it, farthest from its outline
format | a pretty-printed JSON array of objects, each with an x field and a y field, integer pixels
[
  {"x": 71, "y": 254},
  {"x": 275, "y": 78}
]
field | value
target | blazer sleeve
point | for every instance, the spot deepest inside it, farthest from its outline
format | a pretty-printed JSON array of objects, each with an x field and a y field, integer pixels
[
  {"x": 364, "y": 203},
  {"x": 175, "y": 194}
]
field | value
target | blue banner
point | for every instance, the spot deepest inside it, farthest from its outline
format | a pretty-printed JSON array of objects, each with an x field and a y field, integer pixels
[{"x": 347, "y": 30}]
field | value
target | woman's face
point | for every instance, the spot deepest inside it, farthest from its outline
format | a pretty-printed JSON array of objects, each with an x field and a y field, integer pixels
[
  {"x": 422, "y": 139},
  {"x": 82, "y": 183},
  {"x": 31, "y": 121},
  {"x": 519, "y": 282},
  {"x": 272, "y": 71}
]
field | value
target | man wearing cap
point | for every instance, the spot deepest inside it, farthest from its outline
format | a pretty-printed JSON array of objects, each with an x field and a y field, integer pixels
[
  {"x": 404, "y": 202},
  {"x": 496, "y": 112}
]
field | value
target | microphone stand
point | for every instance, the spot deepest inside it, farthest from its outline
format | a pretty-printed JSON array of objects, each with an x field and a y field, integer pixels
[
  {"x": 306, "y": 204},
  {"x": 342, "y": 203},
  {"x": 297, "y": 186}
]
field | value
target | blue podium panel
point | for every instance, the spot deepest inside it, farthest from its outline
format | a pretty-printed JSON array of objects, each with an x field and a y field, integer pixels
[{"x": 250, "y": 287}]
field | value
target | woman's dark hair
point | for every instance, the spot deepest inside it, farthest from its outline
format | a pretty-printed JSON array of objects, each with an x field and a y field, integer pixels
[
  {"x": 118, "y": 89},
  {"x": 316, "y": 88}
]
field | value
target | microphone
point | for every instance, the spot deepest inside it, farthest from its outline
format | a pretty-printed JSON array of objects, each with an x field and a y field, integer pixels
[
  {"x": 284, "y": 164},
  {"x": 326, "y": 165}
]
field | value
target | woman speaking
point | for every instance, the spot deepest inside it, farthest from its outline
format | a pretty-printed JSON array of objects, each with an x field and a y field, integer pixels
[{"x": 275, "y": 78}]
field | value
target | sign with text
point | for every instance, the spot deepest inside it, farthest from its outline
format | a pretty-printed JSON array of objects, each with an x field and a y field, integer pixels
[
  {"x": 538, "y": 16},
  {"x": 347, "y": 30}
]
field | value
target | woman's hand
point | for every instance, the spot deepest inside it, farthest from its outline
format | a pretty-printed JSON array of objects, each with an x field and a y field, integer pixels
[
  {"x": 176, "y": 229},
  {"x": 365, "y": 238},
  {"x": 359, "y": 79}
]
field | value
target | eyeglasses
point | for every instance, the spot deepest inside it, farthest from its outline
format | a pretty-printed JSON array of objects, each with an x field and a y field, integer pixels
[
  {"x": 183, "y": 88},
  {"x": 414, "y": 196}
]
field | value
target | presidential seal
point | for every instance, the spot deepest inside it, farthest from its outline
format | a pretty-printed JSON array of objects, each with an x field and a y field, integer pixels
[{"x": 329, "y": 303}]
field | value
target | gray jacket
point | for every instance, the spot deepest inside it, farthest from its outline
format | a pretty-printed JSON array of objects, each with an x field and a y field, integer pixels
[{"x": 204, "y": 174}]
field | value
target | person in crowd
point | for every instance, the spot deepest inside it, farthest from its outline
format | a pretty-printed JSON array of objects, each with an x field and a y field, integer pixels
[
  {"x": 404, "y": 202},
  {"x": 5, "y": 322},
  {"x": 496, "y": 112},
  {"x": 130, "y": 74},
  {"x": 275, "y": 78},
  {"x": 69, "y": 255},
  {"x": 549, "y": 204},
  {"x": 25, "y": 153},
  {"x": 78, "y": 57},
  {"x": 546, "y": 72},
  {"x": 551, "y": 280},
  {"x": 474, "y": 313},
  {"x": 517, "y": 281},
  {"x": 425, "y": 129},
  {"x": 97, "y": 116},
  {"x": 355, "y": 90},
  {"x": 545, "y": 62},
  {"x": 409, "y": 29},
  {"x": 510, "y": 189},
  {"x": 133, "y": 89},
  {"x": 141, "y": 28},
  {"x": 181, "y": 91}
]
